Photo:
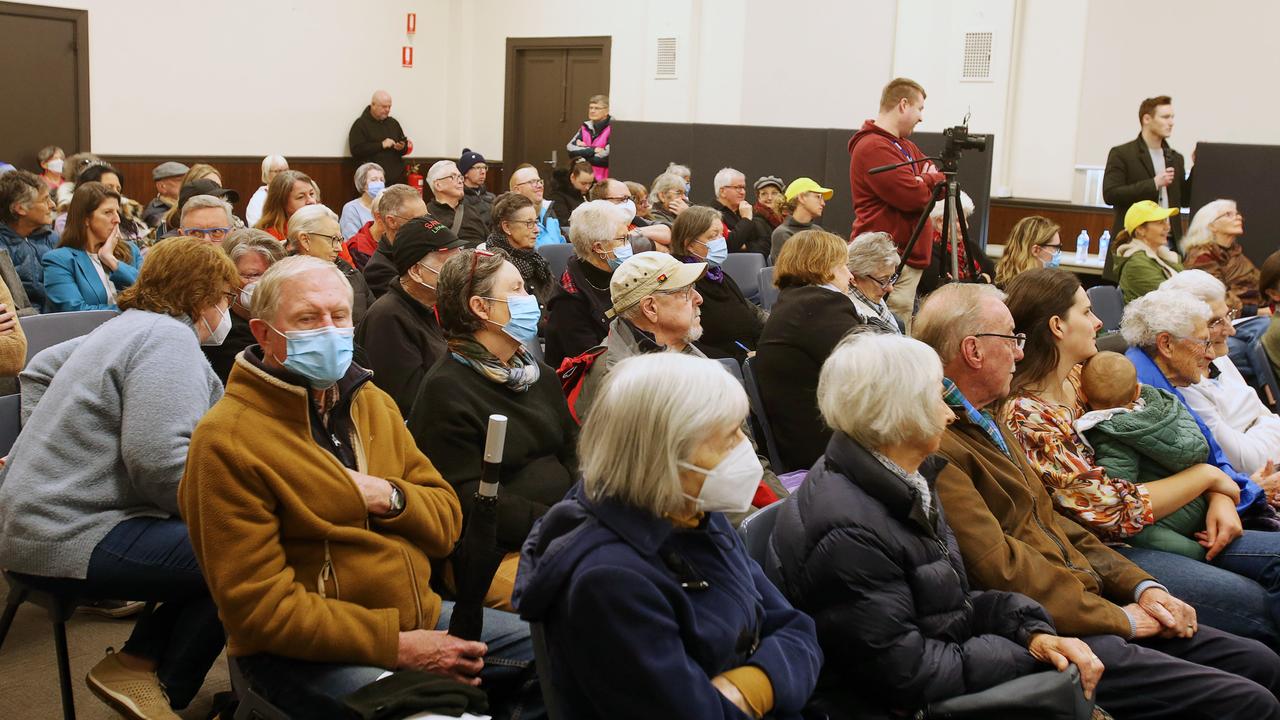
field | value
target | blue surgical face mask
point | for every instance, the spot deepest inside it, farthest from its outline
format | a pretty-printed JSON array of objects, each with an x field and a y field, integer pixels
[
  {"x": 523, "y": 325},
  {"x": 375, "y": 188},
  {"x": 620, "y": 255},
  {"x": 322, "y": 355},
  {"x": 1055, "y": 260},
  {"x": 717, "y": 251},
  {"x": 687, "y": 189}
]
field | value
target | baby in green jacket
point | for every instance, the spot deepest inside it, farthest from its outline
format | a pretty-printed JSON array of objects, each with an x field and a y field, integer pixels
[{"x": 1140, "y": 433}]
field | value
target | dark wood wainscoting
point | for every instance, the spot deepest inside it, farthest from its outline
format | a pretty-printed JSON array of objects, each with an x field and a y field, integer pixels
[
  {"x": 1006, "y": 212},
  {"x": 334, "y": 175}
]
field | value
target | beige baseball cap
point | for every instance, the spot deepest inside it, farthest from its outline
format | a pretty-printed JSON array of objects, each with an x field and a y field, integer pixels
[{"x": 646, "y": 273}]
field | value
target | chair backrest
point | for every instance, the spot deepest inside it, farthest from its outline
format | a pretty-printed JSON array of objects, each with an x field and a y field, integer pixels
[
  {"x": 768, "y": 293},
  {"x": 535, "y": 349},
  {"x": 732, "y": 366},
  {"x": 542, "y": 661},
  {"x": 756, "y": 529},
  {"x": 44, "y": 331},
  {"x": 10, "y": 421},
  {"x": 252, "y": 705},
  {"x": 1112, "y": 341},
  {"x": 1108, "y": 305},
  {"x": 762, "y": 420},
  {"x": 1265, "y": 377},
  {"x": 557, "y": 256},
  {"x": 744, "y": 268}
]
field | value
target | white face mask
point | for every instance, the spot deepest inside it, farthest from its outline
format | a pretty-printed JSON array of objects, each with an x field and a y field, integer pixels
[
  {"x": 55, "y": 166},
  {"x": 246, "y": 295},
  {"x": 731, "y": 484},
  {"x": 629, "y": 209},
  {"x": 219, "y": 333}
]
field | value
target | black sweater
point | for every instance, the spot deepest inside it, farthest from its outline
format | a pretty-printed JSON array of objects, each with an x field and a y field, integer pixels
[
  {"x": 366, "y": 138},
  {"x": 744, "y": 235},
  {"x": 575, "y": 312},
  {"x": 539, "y": 463},
  {"x": 803, "y": 328},
  {"x": 380, "y": 270},
  {"x": 473, "y": 229},
  {"x": 727, "y": 316},
  {"x": 402, "y": 341},
  {"x": 223, "y": 357}
]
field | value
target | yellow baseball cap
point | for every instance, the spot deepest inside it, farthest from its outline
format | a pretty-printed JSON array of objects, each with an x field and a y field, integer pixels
[
  {"x": 1145, "y": 211},
  {"x": 804, "y": 185}
]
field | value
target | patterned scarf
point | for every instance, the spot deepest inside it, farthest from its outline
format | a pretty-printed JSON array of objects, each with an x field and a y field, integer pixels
[
  {"x": 957, "y": 401},
  {"x": 884, "y": 318},
  {"x": 520, "y": 375},
  {"x": 714, "y": 273},
  {"x": 774, "y": 217},
  {"x": 532, "y": 266}
]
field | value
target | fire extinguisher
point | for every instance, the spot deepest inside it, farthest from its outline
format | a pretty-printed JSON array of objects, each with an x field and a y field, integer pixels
[{"x": 416, "y": 180}]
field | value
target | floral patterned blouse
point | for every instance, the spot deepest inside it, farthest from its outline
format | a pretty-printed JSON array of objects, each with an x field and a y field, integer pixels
[{"x": 1112, "y": 508}]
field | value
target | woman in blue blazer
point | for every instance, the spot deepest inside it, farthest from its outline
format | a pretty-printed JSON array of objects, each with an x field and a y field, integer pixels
[{"x": 92, "y": 262}]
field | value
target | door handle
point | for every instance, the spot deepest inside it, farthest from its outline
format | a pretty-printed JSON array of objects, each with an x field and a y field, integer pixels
[{"x": 552, "y": 161}]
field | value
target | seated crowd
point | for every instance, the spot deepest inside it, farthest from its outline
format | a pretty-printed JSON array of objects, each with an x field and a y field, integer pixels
[{"x": 281, "y": 435}]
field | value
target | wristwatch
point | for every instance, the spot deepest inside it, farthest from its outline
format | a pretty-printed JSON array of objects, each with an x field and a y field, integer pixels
[{"x": 397, "y": 502}]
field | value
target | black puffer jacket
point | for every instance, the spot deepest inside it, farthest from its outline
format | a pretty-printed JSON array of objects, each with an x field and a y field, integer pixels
[{"x": 884, "y": 582}]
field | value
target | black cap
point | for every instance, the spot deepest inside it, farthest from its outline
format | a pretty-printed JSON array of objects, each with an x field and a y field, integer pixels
[
  {"x": 205, "y": 186},
  {"x": 418, "y": 237}
]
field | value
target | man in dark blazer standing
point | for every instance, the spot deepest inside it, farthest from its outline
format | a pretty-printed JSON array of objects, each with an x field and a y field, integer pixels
[{"x": 1146, "y": 168}]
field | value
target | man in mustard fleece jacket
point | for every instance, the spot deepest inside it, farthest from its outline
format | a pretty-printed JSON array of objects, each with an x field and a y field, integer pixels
[{"x": 316, "y": 519}]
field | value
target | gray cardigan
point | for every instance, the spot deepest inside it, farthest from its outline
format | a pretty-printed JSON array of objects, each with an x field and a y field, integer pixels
[{"x": 103, "y": 440}]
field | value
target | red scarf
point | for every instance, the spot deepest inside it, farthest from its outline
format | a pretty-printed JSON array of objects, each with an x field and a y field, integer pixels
[{"x": 768, "y": 213}]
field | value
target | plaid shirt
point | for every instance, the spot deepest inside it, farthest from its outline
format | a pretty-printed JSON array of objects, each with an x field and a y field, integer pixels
[{"x": 983, "y": 419}]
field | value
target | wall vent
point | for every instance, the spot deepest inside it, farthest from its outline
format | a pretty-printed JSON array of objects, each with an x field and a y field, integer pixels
[
  {"x": 665, "y": 67},
  {"x": 977, "y": 57}
]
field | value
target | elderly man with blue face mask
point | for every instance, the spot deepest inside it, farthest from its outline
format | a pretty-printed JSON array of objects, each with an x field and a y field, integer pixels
[{"x": 316, "y": 520}]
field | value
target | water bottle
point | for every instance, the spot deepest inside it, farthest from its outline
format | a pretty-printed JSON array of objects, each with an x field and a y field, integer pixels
[
  {"x": 1104, "y": 243},
  {"x": 1082, "y": 246}
]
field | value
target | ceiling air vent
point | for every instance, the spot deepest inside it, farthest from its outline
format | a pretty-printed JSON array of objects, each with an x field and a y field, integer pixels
[
  {"x": 666, "y": 59},
  {"x": 977, "y": 57}
]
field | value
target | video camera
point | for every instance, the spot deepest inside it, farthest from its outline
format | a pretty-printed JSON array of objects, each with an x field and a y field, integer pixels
[{"x": 957, "y": 140}]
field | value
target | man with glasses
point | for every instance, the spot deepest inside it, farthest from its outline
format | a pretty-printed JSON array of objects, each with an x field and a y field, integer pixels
[
  {"x": 207, "y": 217},
  {"x": 448, "y": 207},
  {"x": 736, "y": 214},
  {"x": 525, "y": 180},
  {"x": 1157, "y": 655}
]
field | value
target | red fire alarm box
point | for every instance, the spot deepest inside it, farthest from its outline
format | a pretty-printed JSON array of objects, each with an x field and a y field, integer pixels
[
  {"x": 406, "y": 56},
  {"x": 410, "y": 23}
]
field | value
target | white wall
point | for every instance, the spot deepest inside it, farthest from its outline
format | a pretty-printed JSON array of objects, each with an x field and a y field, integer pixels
[{"x": 1068, "y": 75}]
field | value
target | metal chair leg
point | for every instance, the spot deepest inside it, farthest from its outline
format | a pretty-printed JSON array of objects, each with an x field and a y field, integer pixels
[
  {"x": 17, "y": 596},
  {"x": 64, "y": 670}
]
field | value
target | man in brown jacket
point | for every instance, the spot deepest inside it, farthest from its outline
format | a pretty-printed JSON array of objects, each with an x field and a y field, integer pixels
[
  {"x": 1159, "y": 660},
  {"x": 316, "y": 519}
]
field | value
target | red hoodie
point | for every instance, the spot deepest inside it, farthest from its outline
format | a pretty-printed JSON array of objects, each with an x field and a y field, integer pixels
[{"x": 891, "y": 201}]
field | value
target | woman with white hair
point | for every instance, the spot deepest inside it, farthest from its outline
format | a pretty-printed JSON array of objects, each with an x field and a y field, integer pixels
[
  {"x": 670, "y": 194},
  {"x": 873, "y": 263},
  {"x": 1248, "y": 432},
  {"x": 864, "y": 547},
  {"x": 370, "y": 181},
  {"x": 1170, "y": 338},
  {"x": 575, "y": 316},
  {"x": 314, "y": 231},
  {"x": 973, "y": 262},
  {"x": 272, "y": 165},
  {"x": 1212, "y": 244},
  {"x": 650, "y": 604}
]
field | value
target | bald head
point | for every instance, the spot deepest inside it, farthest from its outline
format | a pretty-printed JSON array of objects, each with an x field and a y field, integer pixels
[
  {"x": 380, "y": 105},
  {"x": 527, "y": 182}
]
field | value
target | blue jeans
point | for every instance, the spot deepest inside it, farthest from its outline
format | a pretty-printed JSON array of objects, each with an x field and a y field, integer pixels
[
  {"x": 309, "y": 689},
  {"x": 152, "y": 559},
  {"x": 1238, "y": 592}
]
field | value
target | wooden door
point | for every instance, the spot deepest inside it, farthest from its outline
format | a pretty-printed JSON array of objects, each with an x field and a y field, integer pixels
[
  {"x": 548, "y": 83},
  {"x": 45, "y": 84}
]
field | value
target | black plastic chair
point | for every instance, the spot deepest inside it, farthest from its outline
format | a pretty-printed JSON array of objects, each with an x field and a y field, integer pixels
[
  {"x": 45, "y": 331},
  {"x": 60, "y": 608},
  {"x": 761, "y": 419},
  {"x": 756, "y": 529},
  {"x": 1108, "y": 305},
  {"x": 744, "y": 268},
  {"x": 557, "y": 256},
  {"x": 1264, "y": 377},
  {"x": 732, "y": 367},
  {"x": 768, "y": 293},
  {"x": 252, "y": 706}
]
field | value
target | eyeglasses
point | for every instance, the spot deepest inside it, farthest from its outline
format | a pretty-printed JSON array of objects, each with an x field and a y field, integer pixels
[
  {"x": 1230, "y": 214},
  {"x": 451, "y": 176},
  {"x": 206, "y": 233},
  {"x": 684, "y": 294},
  {"x": 1054, "y": 248},
  {"x": 536, "y": 182},
  {"x": 743, "y": 188},
  {"x": 884, "y": 283},
  {"x": 528, "y": 224},
  {"x": 617, "y": 200},
  {"x": 479, "y": 166},
  {"x": 1019, "y": 340},
  {"x": 333, "y": 239},
  {"x": 471, "y": 275},
  {"x": 1219, "y": 321}
]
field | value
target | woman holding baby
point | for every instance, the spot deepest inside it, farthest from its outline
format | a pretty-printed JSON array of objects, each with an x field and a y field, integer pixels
[{"x": 1158, "y": 481}]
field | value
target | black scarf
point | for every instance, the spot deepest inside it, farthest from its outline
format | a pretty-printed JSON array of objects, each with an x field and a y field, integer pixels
[{"x": 532, "y": 266}]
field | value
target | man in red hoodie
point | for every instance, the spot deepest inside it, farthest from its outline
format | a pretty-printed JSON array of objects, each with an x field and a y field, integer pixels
[{"x": 893, "y": 201}]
